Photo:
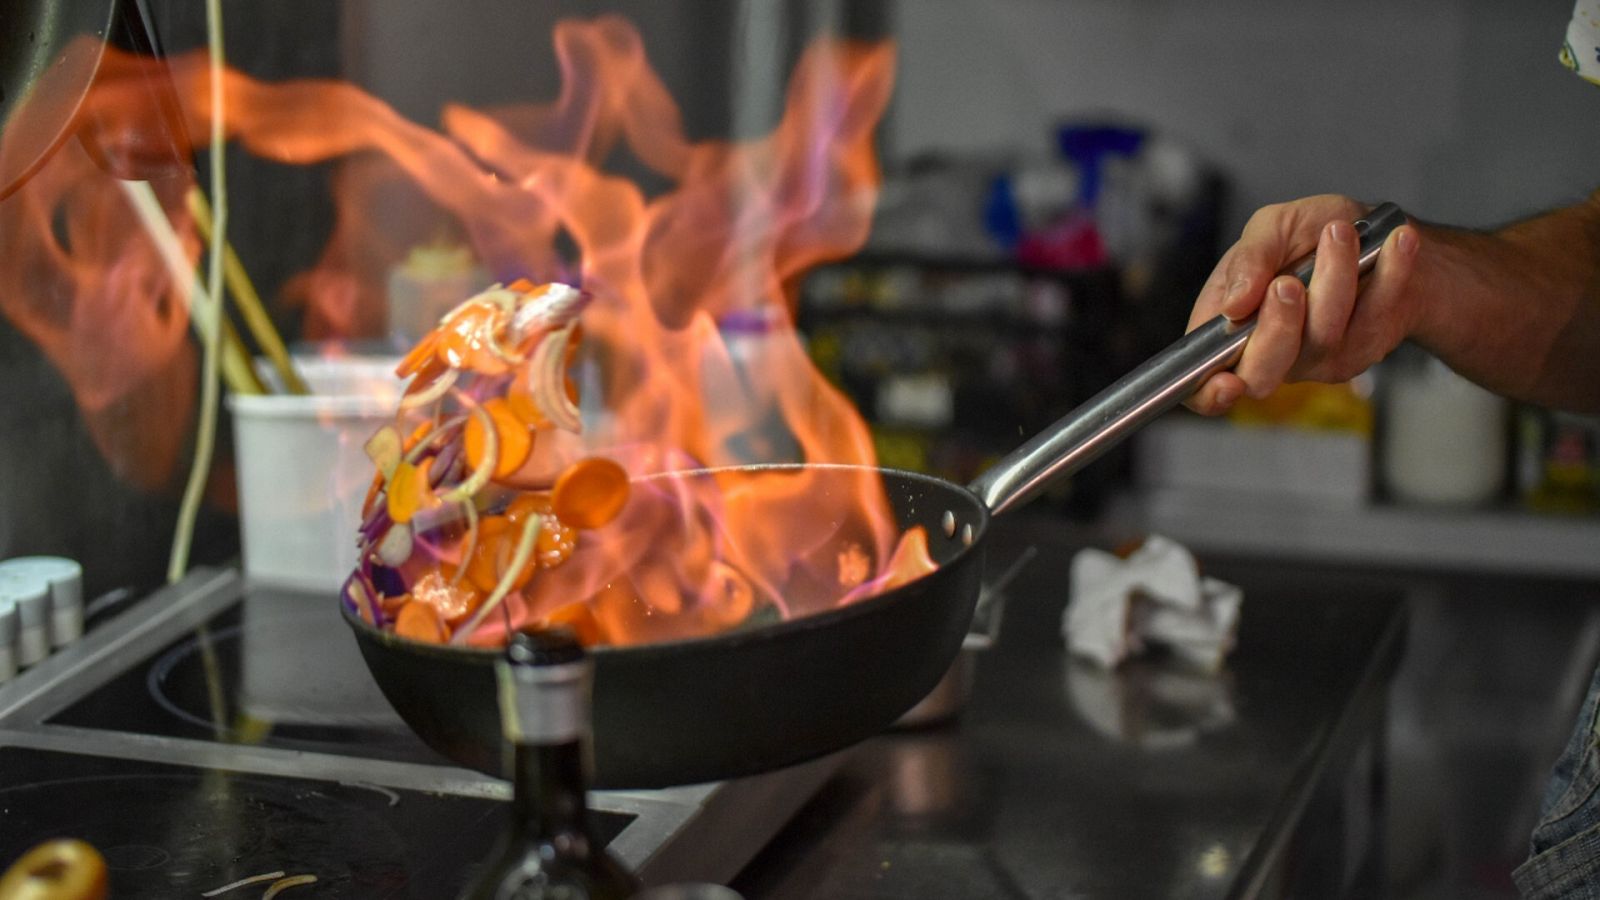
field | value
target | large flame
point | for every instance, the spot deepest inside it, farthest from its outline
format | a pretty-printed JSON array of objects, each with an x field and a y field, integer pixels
[{"x": 528, "y": 189}]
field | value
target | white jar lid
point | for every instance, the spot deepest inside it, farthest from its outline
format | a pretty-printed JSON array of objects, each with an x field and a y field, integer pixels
[
  {"x": 30, "y": 596},
  {"x": 64, "y": 576}
]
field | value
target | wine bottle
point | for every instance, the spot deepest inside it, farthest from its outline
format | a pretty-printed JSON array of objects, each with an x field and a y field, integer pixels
[{"x": 550, "y": 848}]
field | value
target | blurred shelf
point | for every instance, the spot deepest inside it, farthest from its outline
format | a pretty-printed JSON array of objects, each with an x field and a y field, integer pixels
[
  {"x": 975, "y": 264},
  {"x": 1478, "y": 540}
]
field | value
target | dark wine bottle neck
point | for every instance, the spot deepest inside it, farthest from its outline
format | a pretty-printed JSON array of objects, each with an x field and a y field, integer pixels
[{"x": 548, "y": 788}]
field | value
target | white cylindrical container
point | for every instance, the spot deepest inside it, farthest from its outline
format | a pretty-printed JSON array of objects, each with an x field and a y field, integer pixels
[
  {"x": 8, "y": 640},
  {"x": 1444, "y": 438},
  {"x": 31, "y": 598},
  {"x": 303, "y": 470},
  {"x": 65, "y": 578}
]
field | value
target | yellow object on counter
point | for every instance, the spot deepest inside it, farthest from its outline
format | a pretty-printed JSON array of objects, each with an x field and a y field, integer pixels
[
  {"x": 1310, "y": 405},
  {"x": 57, "y": 870}
]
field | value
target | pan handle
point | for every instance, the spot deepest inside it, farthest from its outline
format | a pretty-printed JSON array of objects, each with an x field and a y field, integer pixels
[{"x": 1159, "y": 384}]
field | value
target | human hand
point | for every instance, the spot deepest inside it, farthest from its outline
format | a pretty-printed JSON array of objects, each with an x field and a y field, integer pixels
[{"x": 1331, "y": 331}]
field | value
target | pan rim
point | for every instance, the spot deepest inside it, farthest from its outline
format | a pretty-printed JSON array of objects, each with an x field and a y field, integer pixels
[{"x": 731, "y": 639}]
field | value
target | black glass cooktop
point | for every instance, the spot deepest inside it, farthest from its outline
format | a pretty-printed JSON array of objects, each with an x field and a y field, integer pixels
[
  {"x": 272, "y": 670},
  {"x": 176, "y": 831}
]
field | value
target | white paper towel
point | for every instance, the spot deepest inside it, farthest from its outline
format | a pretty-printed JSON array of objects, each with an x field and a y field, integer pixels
[{"x": 1156, "y": 596}]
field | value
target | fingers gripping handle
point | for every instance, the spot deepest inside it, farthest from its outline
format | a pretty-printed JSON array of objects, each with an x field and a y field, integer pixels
[
  {"x": 1224, "y": 339},
  {"x": 1160, "y": 383}
]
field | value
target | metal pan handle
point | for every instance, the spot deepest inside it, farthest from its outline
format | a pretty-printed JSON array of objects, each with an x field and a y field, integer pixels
[{"x": 1160, "y": 383}]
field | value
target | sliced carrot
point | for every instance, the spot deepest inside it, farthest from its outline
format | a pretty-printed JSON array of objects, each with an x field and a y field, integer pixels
[
  {"x": 372, "y": 495},
  {"x": 497, "y": 543},
  {"x": 416, "y": 436},
  {"x": 580, "y": 618},
  {"x": 453, "y": 599},
  {"x": 409, "y": 490},
  {"x": 590, "y": 492},
  {"x": 521, "y": 285},
  {"x": 555, "y": 543},
  {"x": 391, "y": 605},
  {"x": 527, "y": 504},
  {"x": 421, "y": 622},
  {"x": 464, "y": 341},
  {"x": 515, "y": 439},
  {"x": 519, "y": 396},
  {"x": 421, "y": 353}
]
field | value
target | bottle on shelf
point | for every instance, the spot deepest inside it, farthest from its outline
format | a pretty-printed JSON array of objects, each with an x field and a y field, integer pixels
[{"x": 550, "y": 848}]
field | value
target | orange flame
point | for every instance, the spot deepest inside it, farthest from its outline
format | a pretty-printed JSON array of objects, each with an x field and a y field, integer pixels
[{"x": 739, "y": 224}]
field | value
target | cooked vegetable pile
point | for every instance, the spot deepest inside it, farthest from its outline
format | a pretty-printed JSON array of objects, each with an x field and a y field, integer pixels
[{"x": 463, "y": 510}]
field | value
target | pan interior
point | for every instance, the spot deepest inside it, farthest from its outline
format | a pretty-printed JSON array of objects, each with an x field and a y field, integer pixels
[{"x": 953, "y": 519}]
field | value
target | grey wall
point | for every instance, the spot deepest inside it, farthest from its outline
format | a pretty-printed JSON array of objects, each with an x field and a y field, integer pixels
[{"x": 1457, "y": 109}]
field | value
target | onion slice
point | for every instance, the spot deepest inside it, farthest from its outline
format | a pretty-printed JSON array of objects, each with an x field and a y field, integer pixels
[
  {"x": 384, "y": 449},
  {"x": 431, "y": 392},
  {"x": 394, "y": 548},
  {"x": 474, "y": 483},
  {"x": 549, "y": 382},
  {"x": 519, "y": 559}
]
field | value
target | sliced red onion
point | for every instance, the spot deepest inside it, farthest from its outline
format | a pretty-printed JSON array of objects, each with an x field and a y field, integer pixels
[
  {"x": 376, "y": 522},
  {"x": 443, "y": 463},
  {"x": 387, "y": 582}
]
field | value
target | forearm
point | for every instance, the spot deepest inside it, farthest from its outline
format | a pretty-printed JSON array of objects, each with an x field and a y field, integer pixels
[{"x": 1517, "y": 310}]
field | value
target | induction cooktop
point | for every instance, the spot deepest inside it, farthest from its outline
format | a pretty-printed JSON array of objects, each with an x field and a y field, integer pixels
[{"x": 221, "y": 731}]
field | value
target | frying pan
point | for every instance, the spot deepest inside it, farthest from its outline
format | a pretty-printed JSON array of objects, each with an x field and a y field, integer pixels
[
  {"x": 745, "y": 702},
  {"x": 46, "y": 73}
]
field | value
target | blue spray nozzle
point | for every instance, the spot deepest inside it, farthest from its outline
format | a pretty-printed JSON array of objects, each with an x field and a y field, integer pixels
[{"x": 1088, "y": 146}]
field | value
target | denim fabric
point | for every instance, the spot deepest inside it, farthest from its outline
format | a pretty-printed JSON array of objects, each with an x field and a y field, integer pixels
[{"x": 1565, "y": 860}]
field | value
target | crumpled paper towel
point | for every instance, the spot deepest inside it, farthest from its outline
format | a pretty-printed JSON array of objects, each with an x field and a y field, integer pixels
[{"x": 1156, "y": 596}]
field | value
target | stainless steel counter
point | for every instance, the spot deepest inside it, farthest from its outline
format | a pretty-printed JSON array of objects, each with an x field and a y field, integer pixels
[
  {"x": 1058, "y": 780},
  {"x": 1064, "y": 781}
]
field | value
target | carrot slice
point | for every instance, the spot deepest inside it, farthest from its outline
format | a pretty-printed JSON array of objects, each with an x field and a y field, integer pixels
[
  {"x": 580, "y": 618},
  {"x": 519, "y": 397},
  {"x": 421, "y": 621},
  {"x": 409, "y": 491},
  {"x": 555, "y": 543},
  {"x": 421, "y": 353},
  {"x": 515, "y": 438},
  {"x": 497, "y": 543},
  {"x": 465, "y": 339},
  {"x": 590, "y": 492},
  {"x": 527, "y": 504}
]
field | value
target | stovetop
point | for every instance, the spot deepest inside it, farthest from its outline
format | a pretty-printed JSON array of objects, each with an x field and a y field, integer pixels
[{"x": 219, "y": 731}]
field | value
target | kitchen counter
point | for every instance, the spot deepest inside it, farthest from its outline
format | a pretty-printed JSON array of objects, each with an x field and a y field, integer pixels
[
  {"x": 1063, "y": 780},
  {"x": 240, "y": 721}
]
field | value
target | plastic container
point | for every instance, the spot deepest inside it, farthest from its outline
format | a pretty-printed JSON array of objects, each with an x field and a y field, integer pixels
[
  {"x": 8, "y": 640},
  {"x": 65, "y": 579},
  {"x": 30, "y": 597},
  {"x": 303, "y": 472},
  {"x": 1445, "y": 439}
]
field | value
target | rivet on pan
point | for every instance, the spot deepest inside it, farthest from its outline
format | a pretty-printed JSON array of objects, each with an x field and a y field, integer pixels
[
  {"x": 966, "y": 535},
  {"x": 949, "y": 523}
]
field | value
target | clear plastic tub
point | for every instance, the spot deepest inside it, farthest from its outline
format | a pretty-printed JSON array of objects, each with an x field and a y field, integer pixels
[{"x": 303, "y": 471}]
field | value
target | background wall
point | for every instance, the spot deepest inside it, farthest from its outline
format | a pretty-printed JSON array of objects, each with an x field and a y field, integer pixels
[{"x": 1457, "y": 109}]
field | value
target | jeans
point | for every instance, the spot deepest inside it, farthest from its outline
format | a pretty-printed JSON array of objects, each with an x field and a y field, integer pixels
[{"x": 1564, "y": 863}]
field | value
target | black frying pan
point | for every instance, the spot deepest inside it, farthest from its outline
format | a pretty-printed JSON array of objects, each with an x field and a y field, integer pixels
[{"x": 746, "y": 702}]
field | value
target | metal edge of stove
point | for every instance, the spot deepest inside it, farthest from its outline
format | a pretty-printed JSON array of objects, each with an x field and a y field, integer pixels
[
  {"x": 694, "y": 832},
  {"x": 70, "y": 672}
]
